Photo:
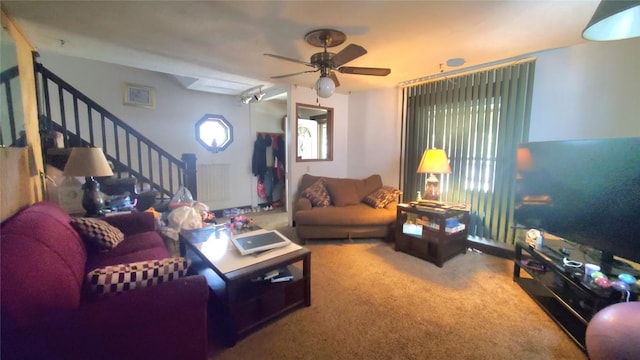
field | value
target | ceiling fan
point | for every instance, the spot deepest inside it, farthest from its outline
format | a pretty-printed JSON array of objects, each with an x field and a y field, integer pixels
[{"x": 326, "y": 62}]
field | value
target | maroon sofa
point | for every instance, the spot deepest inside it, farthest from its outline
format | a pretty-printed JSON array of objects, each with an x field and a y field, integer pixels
[{"x": 48, "y": 311}]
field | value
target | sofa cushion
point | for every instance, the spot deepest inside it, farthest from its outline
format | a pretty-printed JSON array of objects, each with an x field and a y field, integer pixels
[
  {"x": 98, "y": 233},
  {"x": 353, "y": 215},
  {"x": 125, "y": 277},
  {"x": 381, "y": 197},
  {"x": 317, "y": 194},
  {"x": 343, "y": 192}
]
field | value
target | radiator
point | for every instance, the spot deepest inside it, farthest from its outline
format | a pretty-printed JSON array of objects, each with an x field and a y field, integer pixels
[{"x": 214, "y": 183}]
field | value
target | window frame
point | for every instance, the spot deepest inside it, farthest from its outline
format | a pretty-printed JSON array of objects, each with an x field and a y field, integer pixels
[{"x": 220, "y": 119}]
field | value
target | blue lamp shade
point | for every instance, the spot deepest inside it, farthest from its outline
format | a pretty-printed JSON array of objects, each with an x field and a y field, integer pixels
[
  {"x": 614, "y": 20},
  {"x": 325, "y": 87}
]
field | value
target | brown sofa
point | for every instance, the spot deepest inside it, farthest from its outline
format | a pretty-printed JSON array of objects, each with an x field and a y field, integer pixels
[{"x": 347, "y": 216}]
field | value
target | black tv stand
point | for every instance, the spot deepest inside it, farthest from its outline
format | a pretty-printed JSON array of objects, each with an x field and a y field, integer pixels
[
  {"x": 563, "y": 292},
  {"x": 613, "y": 266}
]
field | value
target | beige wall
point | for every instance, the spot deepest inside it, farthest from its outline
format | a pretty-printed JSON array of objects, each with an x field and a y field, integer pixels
[{"x": 21, "y": 170}]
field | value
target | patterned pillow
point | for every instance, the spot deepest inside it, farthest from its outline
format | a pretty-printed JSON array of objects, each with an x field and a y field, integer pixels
[
  {"x": 98, "y": 232},
  {"x": 125, "y": 277},
  {"x": 381, "y": 197},
  {"x": 317, "y": 194}
]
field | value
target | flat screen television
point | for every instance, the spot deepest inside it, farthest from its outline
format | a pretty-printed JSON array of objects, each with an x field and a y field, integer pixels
[{"x": 585, "y": 191}]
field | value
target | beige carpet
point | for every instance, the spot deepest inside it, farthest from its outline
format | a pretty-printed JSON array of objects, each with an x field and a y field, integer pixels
[{"x": 371, "y": 302}]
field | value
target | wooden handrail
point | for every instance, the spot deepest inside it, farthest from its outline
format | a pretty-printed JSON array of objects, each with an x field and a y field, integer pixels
[{"x": 83, "y": 122}]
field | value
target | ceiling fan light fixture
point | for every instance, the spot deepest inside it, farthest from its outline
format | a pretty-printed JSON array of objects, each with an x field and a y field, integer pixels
[
  {"x": 614, "y": 20},
  {"x": 325, "y": 87}
]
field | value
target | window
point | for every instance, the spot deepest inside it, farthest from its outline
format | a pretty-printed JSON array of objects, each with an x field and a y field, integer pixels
[
  {"x": 214, "y": 132},
  {"x": 478, "y": 119}
]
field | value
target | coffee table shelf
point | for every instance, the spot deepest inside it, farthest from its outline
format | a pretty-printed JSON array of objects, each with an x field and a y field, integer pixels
[{"x": 258, "y": 303}]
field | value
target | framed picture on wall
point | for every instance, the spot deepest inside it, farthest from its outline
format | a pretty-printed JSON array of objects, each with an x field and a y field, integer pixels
[{"x": 139, "y": 95}]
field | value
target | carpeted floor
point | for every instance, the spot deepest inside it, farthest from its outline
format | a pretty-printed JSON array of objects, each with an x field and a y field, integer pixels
[{"x": 371, "y": 302}]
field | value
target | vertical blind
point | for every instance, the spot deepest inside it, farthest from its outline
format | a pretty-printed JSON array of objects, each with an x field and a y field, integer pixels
[{"x": 478, "y": 119}]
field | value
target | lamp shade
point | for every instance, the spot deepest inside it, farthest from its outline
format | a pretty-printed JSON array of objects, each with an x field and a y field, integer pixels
[
  {"x": 524, "y": 161},
  {"x": 86, "y": 161},
  {"x": 614, "y": 20},
  {"x": 434, "y": 161},
  {"x": 325, "y": 87}
]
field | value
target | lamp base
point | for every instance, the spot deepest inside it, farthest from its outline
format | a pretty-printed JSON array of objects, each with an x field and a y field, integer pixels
[
  {"x": 92, "y": 200},
  {"x": 432, "y": 190}
]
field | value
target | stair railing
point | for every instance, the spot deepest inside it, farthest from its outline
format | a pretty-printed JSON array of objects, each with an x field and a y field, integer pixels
[
  {"x": 10, "y": 82},
  {"x": 82, "y": 122}
]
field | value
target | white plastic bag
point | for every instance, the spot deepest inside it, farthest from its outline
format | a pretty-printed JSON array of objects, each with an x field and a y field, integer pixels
[
  {"x": 182, "y": 197},
  {"x": 201, "y": 208},
  {"x": 185, "y": 218}
]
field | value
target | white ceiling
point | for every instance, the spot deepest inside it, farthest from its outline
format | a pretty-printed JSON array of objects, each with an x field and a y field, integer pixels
[{"x": 218, "y": 46}]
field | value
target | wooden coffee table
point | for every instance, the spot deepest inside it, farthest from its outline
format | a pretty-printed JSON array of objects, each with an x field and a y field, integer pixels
[{"x": 247, "y": 304}]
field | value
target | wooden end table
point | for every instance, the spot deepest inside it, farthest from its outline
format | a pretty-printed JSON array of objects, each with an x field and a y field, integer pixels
[{"x": 432, "y": 243}]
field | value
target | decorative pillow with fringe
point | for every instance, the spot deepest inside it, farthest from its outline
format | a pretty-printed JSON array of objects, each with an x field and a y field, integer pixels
[
  {"x": 317, "y": 193},
  {"x": 125, "y": 277},
  {"x": 381, "y": 197},
  {"x": 98, "y": 232}
]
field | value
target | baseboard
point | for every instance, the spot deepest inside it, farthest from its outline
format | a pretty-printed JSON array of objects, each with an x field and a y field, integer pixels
[{"x": 491, "y": 247}]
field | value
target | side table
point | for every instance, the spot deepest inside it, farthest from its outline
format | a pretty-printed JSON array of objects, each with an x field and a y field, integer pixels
[{"x": 429, "y": 238}]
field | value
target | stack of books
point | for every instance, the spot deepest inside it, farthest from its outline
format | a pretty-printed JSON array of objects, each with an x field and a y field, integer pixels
[{"x": 452, "y": 225}]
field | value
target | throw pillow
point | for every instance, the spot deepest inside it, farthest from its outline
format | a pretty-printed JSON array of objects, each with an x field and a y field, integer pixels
[
  {"x": 370, "y": 184},
  {"x": 343, "y": 192},
  {"x": 317, "y": 194},
  {"x": 125, "y": 277},
  {"x": 98, "y": 232},
  {"x": 381, "y": 197}
]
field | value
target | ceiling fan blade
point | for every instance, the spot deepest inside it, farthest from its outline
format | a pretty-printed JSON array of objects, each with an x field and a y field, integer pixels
[
  {"x": 332, "y": 76},
  {"x": 347, "y": 54},
  {"x": 293, "y": 74},
  {"x": 364, "y": 71},
  {"x": 290, "y": 59}
]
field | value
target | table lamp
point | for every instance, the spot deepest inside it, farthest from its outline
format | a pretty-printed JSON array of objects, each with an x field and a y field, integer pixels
[
  {"x": 434, "y": 161},
  {"x": 89, "y": 162}
]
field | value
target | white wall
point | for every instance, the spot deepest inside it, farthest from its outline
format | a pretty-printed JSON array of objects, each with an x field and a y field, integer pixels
[
  {"x": 587, "y": 91},
  {"x": 375, "y": 128},
  {"x": 172, "y": 123},
  {"x": 335, "y": 168}
]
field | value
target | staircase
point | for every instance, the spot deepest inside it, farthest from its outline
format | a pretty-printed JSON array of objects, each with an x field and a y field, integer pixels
[{"x": 69, "y": 117}]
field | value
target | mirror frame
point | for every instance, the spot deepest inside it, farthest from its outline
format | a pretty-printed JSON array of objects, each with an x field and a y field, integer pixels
[{"x": 329, "y": 132}]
